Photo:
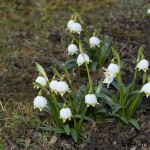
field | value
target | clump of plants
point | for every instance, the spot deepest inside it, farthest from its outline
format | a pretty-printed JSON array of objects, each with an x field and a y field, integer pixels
[{"x": 70, "y": 105}]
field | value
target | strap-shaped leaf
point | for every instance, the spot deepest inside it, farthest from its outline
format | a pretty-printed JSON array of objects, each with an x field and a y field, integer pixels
[
  {"x": 140, "y": 50},
  {"x": 74, "y": 134},
  {"x": 134, "y": 123},
  {"x": 50, "y": 128},
  {"x": 55, "y": 72},
  {"x": 100, "y": 85},
  {"x": 67, "y": 129}
]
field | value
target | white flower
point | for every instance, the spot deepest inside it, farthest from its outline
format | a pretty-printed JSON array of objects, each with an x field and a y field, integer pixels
[
  {"x": 70, "y": 23},
  {"x": 109, "y": 77},
  {"x": 72, "y": 49},
  {"x": 146, "y": 89},
  {"x": 53, "y": 85},
  {"x": 62, "y": 87},
  {"x": 94, "y": 41},
  {"x": 65, "y": 113},
  {"x": 91, "y": 99},
  {"x": 113, "y": 68},
  {"x": 82, "y": 58},
  {"x": 76, "y": 27},
  {"x": 148, "y": 11},
  {"x": 40, "y": 102},
  {"x": 40, "y": 80},
  {"x": 143, "y": 65},
  {"x": 111, "y": 73}
]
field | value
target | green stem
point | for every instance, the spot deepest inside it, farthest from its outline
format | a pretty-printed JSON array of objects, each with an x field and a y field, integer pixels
[
  {"x": 135, "y": 75},
  {"x": 135, "y": 102},
  {"x": 89, "y": 78},
  {"x": 55, "y": 102},
  {"x": 82, "y": 117},
  {"x": 100, "y": 57}
]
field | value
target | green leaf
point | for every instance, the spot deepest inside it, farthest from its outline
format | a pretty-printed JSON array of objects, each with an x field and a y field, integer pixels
[
  {"x": 94, "y": 66},
  {"x": 109, "y": 100},
  {"x": 84, "y": 118},
  {"x": 119, "y": 117},
  {"x": 55, "y": 72},
  {"x": 100, "y": 85},
  {"x": 41, "y": 70},
  {"x": 115, "y": 53},
  {"x": 106, "y": 48},
  {"x": 134, "y": 123},
  {"x": 50, "y": 128},
  {"x": 74, "y": 134},
  {"x": 140, "y": 50},
  {"x": 115, "y": 109},
  {"x": 41, "y": 86},
  {"x": 67, "y": 129}
]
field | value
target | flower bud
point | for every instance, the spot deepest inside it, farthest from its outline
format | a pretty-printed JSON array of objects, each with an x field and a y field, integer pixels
[
  {"x": 53, "y": 85},
  {"x": 72, "y": 49},
  {"x": 146, "y": 89},
  {"x": 143, "y": 65},
  {"x": 91, "y": 99},
  {"x": 76, "y": 28},
  {"x": 62, "y": 87},
  {"x": 65, "y": 113},
  {"x": 94, "y": 41},
  {"x": 40, "y": 80},
  {"x": 82, "y": 58},
  {"x": 40, "y": 102}
]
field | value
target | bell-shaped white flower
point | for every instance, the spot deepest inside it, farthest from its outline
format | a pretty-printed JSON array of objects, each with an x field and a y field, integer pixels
[
  {"x": 53, "y": 86},
  {"x": 70, "y": 23},
  {"x": 76, "y": 28},
  {"x": 146, "y": 89},
  {"x": 40, "y": 102},
  {"x": 109, "y": 77},
  {"x": 40, "y": 80},
  {"x": 72, "y": 49},
  {"x": 94, "y": 41},
  {"x": 62, "y": 87},
  {"x": 65, "y": 113},
  {"x": 148, "y": 11},
  {"x": 91, "y": 99},
  {"x": 83, "y": 58},
  {"x": 143, "y": 65},
  {"x": 113, "y": 68}
]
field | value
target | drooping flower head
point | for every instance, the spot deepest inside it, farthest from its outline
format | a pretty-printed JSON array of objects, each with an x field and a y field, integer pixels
[
  {"x": 53, "y": 86},
  {"x": 110, "y": 73},
  {"x": 40, "y": 80},
  {"x": 146, "y": 89},
  {"x": 94, "y": 41},
  {"x": 62, "y": 87},
  {"x": 40, "y": 102},
  {"x": 113, "y": 68},
  {"x": 76, "y": 28},
  {"x": 83, "y": 58},
  {"x": 72, "y": 49},
  {"x": 143, "y": 65},
  {"x": 91, "y": 99},
  {"x": 109, "y": 77},
  {"x": 65, "y": 113}
]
